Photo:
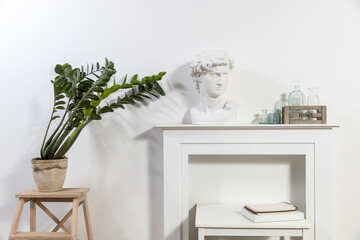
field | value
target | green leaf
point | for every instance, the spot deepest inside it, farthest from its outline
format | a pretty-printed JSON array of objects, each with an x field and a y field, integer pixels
[
  {"x": 59, "y": 103},
  {"x": 161, "y": 74},
  {"x": 109, "y": 91},
  {"x": 101, "y": 84},
  {"x": 74, "y": 123},
  {"x": 97, "y": 65},
  {"x": 145, "y": 80},
  {"x": 59, "y": 69},
  {"x": 88, "y": 82},
  {"x": 149, "y": 86},
  {"x": 95, "y": 117},
  {"x": 87, "y": 112},
  {"x": 98, "y": 89},
  {"x": 93, "y": 97},
  {"x": 137, "y": 98},
  {"x": 105, "y": 110},
  {"x": 85, "y": 103},
  {"x": 134, "y": 80},
  {"x": 158, "y": 89},
  {"x": 58, "y": 97},
  {"x": 95, "y": 102},
  {"x": 125, "y": 85},
  {"x": 67, "y": 70},
  {"x": 60, "y": 107},
  {"x": 54, "y": 117},
  {"x": 141, "y": 88},
  {"x": 124, "y": 81}
]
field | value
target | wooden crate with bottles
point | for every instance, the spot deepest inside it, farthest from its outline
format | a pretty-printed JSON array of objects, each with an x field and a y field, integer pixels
[{"x": 304, "y": 115}]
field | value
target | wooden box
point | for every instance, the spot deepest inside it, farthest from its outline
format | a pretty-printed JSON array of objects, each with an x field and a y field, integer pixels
[{"x": 304, "y": 115}]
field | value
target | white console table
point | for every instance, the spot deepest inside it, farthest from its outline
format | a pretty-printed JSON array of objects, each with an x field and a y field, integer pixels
[
  {"x": 227, "y": 220},
  {"x": 311, "y": 142}
]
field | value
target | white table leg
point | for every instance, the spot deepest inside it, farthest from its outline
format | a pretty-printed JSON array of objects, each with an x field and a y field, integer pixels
[
  {"x": 201, "y": 234},
  {"x": 285, "y": 238},
  {"x": 306, "y": 234}
]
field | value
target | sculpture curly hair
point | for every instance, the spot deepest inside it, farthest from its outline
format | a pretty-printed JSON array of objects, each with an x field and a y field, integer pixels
[{"x": 207, "y": 61}]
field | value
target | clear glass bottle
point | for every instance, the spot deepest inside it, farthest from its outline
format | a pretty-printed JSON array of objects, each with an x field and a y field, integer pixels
[
  {"x": 263, "y": 117},
  {"x": 271, "y": 119},
  {"x": 313, "y": 97},
  {"x": 277, "y": 115},
  {"x": 297, "y": 97}
]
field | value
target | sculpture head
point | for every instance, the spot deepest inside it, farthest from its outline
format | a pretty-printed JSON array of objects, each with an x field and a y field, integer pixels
[{"x": 210, "y": 72}]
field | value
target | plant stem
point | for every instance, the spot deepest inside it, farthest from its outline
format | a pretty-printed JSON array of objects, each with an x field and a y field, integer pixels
[
  {"x": 47, "y": 129},
  {"x": 52, "y": 140},
  {"x": 70, "y": 140}
]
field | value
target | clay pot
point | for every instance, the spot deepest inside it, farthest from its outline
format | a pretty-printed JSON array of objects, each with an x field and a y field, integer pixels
[{"x": 49, "y": 175}]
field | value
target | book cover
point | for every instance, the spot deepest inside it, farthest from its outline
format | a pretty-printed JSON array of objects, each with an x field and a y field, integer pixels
[
  {"x": 271, "y": 208},
  {"x": 275, "y": 217}
]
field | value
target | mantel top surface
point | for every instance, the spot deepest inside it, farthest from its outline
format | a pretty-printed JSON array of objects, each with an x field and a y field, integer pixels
[{"x": 248, "y": 127}]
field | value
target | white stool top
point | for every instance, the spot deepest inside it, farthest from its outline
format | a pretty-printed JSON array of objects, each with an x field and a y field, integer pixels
[{"x": 228, "y": 215}]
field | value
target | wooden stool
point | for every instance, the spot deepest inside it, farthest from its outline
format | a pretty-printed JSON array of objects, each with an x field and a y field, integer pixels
[
  {"x": 75, "y": 195},
  {"x": 226, "y": 220}
]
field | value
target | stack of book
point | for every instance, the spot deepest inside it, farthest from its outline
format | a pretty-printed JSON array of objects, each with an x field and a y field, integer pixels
[{"x": 274, "y": 212}]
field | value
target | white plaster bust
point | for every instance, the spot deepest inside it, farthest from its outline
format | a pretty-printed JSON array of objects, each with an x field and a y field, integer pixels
[{"x": 210, "y": 72}]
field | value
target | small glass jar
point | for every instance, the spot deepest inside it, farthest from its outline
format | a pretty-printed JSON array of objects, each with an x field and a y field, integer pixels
[
  {"x": 271, "y": 119},
  {"x": 313, "y": 97},
  {"x": 263, "y": 117}
]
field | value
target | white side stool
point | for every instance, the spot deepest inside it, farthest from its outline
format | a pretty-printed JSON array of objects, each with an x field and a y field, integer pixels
[{"x": 227, "y": 220}]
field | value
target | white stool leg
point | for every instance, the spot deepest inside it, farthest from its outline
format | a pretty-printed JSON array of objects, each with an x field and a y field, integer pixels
[
  {"x": 306, "y": 234},
  {"x": 201, "y": 234}
]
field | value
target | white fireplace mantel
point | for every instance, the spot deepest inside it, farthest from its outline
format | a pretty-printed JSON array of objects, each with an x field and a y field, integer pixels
[{"x": 312, "y": 142}]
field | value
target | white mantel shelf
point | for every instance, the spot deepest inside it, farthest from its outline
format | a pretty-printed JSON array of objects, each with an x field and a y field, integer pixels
[
  {"x": 311, "y": 141},
  {"x": 248, "y": 127}
]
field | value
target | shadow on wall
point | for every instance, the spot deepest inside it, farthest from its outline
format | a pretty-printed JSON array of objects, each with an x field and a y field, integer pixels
[
  {"x": 130, "y": 149},
  {"x": 20, "y": 178},
  {"x": 255, "y": 92}
]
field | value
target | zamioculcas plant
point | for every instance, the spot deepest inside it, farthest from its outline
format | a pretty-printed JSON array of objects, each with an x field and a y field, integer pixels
[{"x": 79, "y": 94}]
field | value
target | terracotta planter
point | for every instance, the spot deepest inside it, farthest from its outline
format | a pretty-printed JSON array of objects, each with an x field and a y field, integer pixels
[{"x": 49, "y": 175}]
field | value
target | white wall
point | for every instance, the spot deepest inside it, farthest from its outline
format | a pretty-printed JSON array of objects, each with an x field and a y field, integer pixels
[{"x": 275, "y": 44}]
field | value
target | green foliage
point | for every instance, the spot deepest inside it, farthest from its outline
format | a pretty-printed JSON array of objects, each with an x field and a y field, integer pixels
[{"x": 78, "y": 94}]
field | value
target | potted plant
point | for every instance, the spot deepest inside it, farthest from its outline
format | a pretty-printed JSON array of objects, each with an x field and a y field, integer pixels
[{"x": 79, "y": 94}]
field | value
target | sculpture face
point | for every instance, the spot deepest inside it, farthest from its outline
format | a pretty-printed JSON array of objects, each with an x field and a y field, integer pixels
[{"x": 214, "y": 83}]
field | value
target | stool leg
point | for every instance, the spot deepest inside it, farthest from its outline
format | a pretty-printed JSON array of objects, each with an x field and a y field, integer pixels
[
  {"x": 306, "y": 234},
  {"x": 32, "y": 216},
  {"x": 75, "y": 213},
  {"x": 201, "y": 234},
  {"x": 16, "y": 221},
  {"x": 87, "y": 219}
]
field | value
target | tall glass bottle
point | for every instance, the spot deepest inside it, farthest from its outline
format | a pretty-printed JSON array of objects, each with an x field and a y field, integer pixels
[{"x": 297, "y": 97}]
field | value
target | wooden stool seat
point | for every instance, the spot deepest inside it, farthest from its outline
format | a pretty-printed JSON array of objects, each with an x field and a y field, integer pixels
[{"x": 75, "y": 195}]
